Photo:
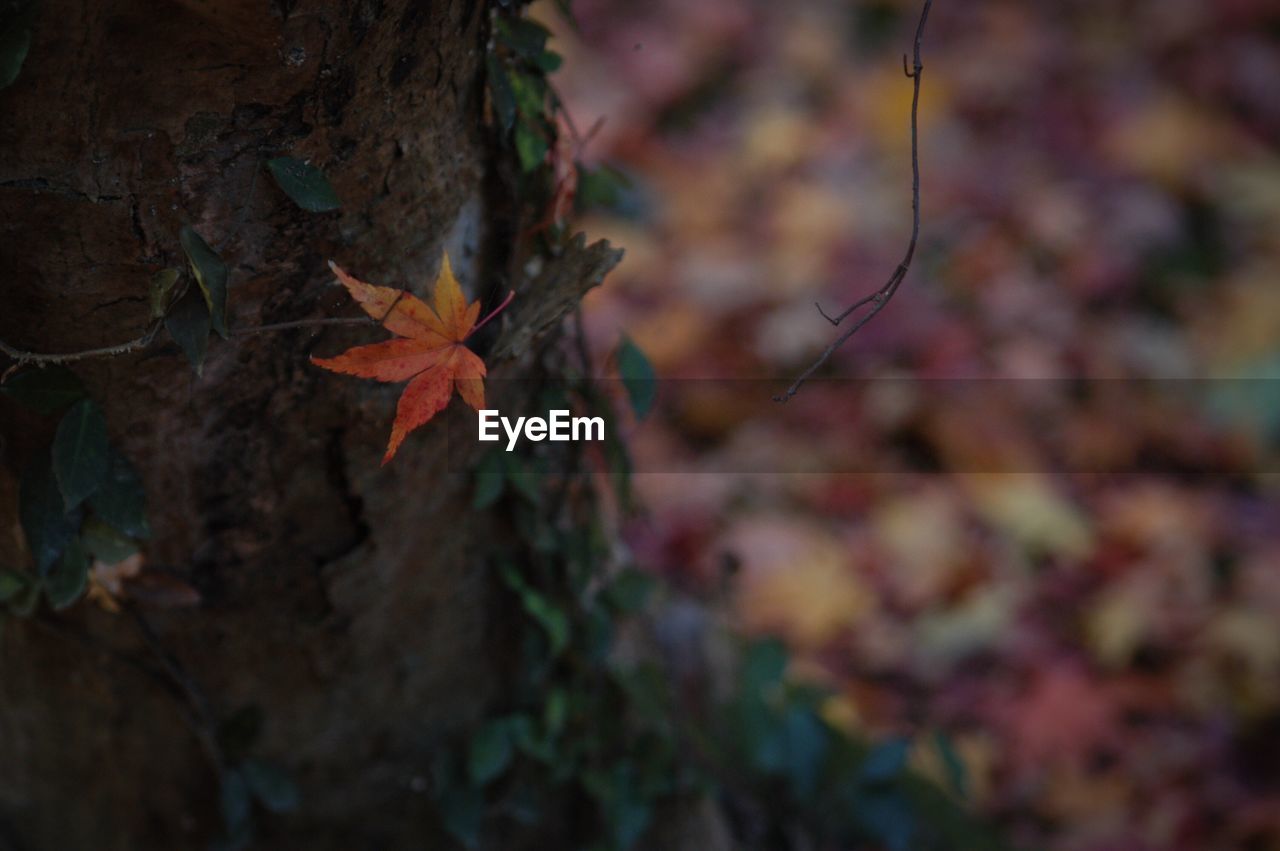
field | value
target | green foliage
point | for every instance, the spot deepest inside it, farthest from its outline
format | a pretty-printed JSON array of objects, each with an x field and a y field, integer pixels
[
  {"x": 160, "y": 293},
  {"x": 211, "y": 275},
  {"x": 46, "y": 522},
  {"x": 305, "y": 184},
  {"x": 80, "y": 460},
  {"x": 67, "y": 580},
  {"x": 638, "y": 377},
  {"x": 104, "y": 543},
  {"x": 120, "y": 501},
  {"x": 844, "y": 791},
  {"x": 271, "y": 786},
  {"x": 80, "y": 469},
  {"x": 523, "y": 103},
  {"x": 16, "y": 18},
  {"x": 490, "y": 752},
  {"x": 188, "y": 323}
]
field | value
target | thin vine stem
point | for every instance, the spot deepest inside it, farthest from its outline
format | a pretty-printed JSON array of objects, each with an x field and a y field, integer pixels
[{"x": 881, "y": 297}]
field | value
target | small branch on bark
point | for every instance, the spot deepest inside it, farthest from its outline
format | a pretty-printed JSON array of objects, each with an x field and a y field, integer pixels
[{"x": 881, "y": 297}]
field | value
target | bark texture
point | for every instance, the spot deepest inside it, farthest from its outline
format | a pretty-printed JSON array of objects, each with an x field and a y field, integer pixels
[{"x": 339, "y": 597}]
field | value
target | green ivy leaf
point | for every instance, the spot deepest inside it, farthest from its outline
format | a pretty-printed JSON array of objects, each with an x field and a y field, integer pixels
[
  {"x": 541, "y": 609},
  {"x": 45, "y": 519},
  {"x": 211, "y": 275},
  {"x": 235, "y": 802},
  {"x": 886, "y": 761},
  {"x": 121, "y": 501},
  {"x": 305, "y": 184},
  {"x": 65, "y": 584},
  {"x": 957, "y": 775},
  {"x": 188, "y": 323},
  {"x": 525, "y": 36},
  {"x": 530, "y": 92},
  {"x": 24, "y": 602},
  {"x": 12, "y": 583},
  {"x": 271, "y": 785},
  {"x": 637, "y": 377},
  {"x": 161, "y": 290},
  {"x": 524, "y": 480},
  {"x": 47, "y": 390},
  {"x": 888, "y": 817},
  {"x": 80, "y": 452},
  {"x": 763, "y": 666},
  {"x": 491, "y": 480},
  {"x": 15, "y": 42},
  {"x": 462, "y": 811},
  {"x": 629, "y": 591},
  {"x": 531, "y": 147},
  {"x": 105, "y": 543},
  {"x": 550, "y": 618},
  {"x": 549, "y": 61},
  {"x": 490, "y": 752},
  {"x": 602, "y": 187}
]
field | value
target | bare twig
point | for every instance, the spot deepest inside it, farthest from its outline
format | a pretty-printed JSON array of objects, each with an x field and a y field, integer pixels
[
  {"x": 42, "y": 359},
  {"x": 304, "y": 323},
  {"x": 882, "y": 296}
]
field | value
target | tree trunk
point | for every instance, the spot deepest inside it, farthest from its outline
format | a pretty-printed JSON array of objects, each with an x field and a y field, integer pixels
[{"x": 341, "y": 598}]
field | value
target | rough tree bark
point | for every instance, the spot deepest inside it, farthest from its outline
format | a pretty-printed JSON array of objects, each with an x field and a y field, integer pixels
[{"x": 337, "y": 596}]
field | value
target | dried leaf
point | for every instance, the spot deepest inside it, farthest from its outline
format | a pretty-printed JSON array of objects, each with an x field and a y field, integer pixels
[{"x": 428, "y": 351}]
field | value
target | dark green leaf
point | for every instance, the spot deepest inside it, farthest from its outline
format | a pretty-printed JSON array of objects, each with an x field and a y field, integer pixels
[
  {"x": 24, "y": 602},
  {"x": 530, "y": 92},
  {"x": 552, "y": 619},
  {"x": 462, "y": 811},
  {"x": 637, "y": 377},
  {"x": 188, "y": 323},
  {"x": 555, "y": 711},
  {"x": 305, "y": 184},
  {"x": 121, "y": 502},
  {"x": 885, "y": 761},
  {"x": 104, "y": 543},
  {"x": 271, "y": 785},
  {"x": 12, "y": 583},
  {"x": 531, "y": 147},
  {"x": 601, "y": 187},
  {"x": 889, "y": 818},
  {"x": 211, "y": 276},
  {"x": 549, "y": 61},
  {"x": 524, "y": 480},
  {"x": 490, "y": 752},
  {"x": 162, "y": 284},
  {"x": 504, "y": 98},
  {"x": 47, "y": 390},
  {"x": 629, "y": 591},
  {"x": 15, "y": 41},
  {"x": 764, "y": 665},
  {"x": 66, "y": 582},
  {"x": 80, "y": 452},
  {"x": 490, "y": 481},
  {"x": 957, "y": 776},
  {"x": 806, "y": 745},
  {"x": 236, "y": 803},
  {"x": 45, "y": 520},
  {"x": 523, "y": 35}
]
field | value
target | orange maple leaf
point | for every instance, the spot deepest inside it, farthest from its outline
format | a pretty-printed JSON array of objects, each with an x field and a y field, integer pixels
[{"x": 427, "y": 350}]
